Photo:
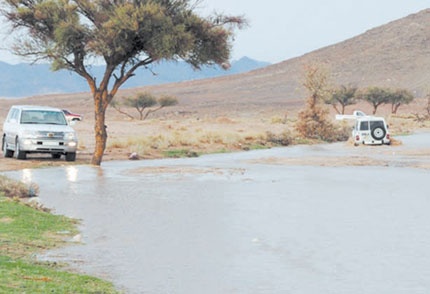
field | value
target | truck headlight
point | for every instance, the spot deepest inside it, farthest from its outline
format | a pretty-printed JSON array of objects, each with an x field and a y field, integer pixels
[{"x": 70, "y": 136}]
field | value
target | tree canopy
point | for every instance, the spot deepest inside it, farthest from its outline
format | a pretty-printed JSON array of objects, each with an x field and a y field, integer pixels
[
  {"x": 125, "y": 34},
  {"x": 377, "y": 96},
  {"x": 344, "y": 96},
  {"x": 399, "y": 97},
  {"x": 143, "y": 101}
]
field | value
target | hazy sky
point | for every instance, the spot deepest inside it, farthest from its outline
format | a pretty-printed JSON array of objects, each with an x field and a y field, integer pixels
[{"x": 282, "y": 29}]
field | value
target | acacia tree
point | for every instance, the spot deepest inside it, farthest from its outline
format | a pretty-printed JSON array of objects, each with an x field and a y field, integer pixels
[
  {"x": 125, "y": 34},
  {"x": 398, "y": 98},
  {"x": 375, "y": 96},
  {"x": 163, "y": 101},
  {"x": 344, "y": 96},
  {"x": 143, "y": 101}
]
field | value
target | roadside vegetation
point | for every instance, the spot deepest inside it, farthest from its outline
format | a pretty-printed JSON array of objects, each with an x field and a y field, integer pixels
[
  {"x": 27, "y": 230},
  {"x": 313, "y": 121}
]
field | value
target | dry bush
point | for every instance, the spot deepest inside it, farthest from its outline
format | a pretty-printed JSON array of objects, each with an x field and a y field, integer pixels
[
  {"x": 283, "y": 139},
  {"x": 313, "y": 121},
  {"x": 278, "y": 119},
  {"x": 11, "y": 188}
]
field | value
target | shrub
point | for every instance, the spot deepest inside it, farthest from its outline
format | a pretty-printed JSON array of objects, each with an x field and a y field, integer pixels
[
  {"x": 283, "y": 139},
  {"x": 11, "y": 188}
]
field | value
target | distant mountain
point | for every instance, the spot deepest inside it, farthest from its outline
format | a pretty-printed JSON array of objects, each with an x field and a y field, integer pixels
[{"x": 22, "y": 80}]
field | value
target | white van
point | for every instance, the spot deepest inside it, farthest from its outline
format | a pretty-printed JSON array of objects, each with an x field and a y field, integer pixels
[
  {"x": 38, "y": 129},
  {"x": 371, "y": 130},
  {"x": 368, "y": 130}
]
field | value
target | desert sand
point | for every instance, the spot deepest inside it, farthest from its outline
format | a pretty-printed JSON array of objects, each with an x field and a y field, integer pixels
[{"x": 193, "y": 128}]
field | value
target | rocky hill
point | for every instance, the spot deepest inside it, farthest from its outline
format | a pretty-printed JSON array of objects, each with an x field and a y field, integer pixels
[{"x": 394, "y": 55}]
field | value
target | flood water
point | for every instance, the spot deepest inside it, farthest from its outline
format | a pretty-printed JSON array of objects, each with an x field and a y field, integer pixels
[{"x": 233, "y": 223}]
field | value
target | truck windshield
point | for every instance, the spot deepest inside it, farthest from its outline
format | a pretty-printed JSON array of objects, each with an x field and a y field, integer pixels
[{"x": 43, "y": 117}]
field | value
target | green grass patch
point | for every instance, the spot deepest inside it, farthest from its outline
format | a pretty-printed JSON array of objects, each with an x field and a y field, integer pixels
[
  {"x": 180, "y": 153},
  {"x": 18, "y": 276},
  {"x": 24, "y": 228},
  {"x": 25, "y": 231},
  {"x": 257, "y": 147}
]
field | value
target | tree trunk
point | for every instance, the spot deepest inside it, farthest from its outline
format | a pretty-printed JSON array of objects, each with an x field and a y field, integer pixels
[
  {"x": 99, "y": 129},
  {"x": 394, "y": 108}
]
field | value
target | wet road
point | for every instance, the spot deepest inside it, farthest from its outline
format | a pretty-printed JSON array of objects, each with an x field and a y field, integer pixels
[{"x": 250, "y": 222}]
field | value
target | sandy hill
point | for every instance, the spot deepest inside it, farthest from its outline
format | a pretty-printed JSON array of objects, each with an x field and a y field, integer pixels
[{"x": 393, "y": 55}]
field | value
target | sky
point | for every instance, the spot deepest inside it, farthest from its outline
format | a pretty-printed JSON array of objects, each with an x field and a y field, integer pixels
[{"x": 282, "y": 29}]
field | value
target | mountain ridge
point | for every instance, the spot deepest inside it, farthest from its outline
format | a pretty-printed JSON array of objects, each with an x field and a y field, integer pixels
[{"x": 40, "y": 80}]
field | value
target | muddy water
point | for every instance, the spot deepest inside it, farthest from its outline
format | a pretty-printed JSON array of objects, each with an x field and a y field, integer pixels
[{"x": 252, "y": 222}]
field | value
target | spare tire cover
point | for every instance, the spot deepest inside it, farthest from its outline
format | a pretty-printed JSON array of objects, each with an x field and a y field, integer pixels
[{"x": 378, "y": 133}]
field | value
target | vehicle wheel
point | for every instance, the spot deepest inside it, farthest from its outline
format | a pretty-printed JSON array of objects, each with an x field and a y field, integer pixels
[
  {"x": 6, "y": 152},
  {"x": 71, "y": 156},
  {"x": 56, "y": 155},
  {"x": 378, "y": 133},
  {"x": 18, "y": 153}
]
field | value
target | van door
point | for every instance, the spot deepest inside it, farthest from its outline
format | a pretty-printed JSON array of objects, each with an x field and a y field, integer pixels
[{"x": 11, "y": 126}]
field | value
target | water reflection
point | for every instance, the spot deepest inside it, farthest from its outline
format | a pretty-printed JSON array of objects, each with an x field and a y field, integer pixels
[
  {"x": 27, "y": 176},
  {"x": 72, "y": 173}
]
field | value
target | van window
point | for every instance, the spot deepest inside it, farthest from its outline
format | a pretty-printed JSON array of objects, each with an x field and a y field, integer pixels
[
  {"x": 13, "y": 114},
  {"x": 376, "y": 123},
  {"x": 364, "y": 126}
]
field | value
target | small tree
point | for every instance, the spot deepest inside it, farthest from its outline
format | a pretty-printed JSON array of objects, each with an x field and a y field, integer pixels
[
  {"x": 313, "y": 121},
  {"x": 164, "y": 101},
  {"x": 376, "y": 97},
  {"x": 143, "y": 101},
  {"x": 398, "y": 98},
  {"x": 344, "y": 96}
]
